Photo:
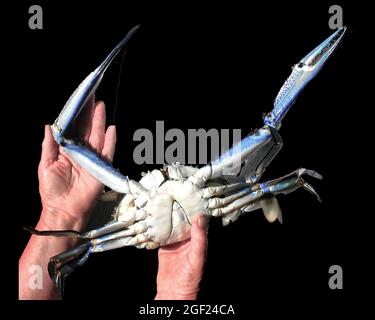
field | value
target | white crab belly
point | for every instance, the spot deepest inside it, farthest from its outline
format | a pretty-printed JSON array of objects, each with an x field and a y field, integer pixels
[{"x": 172, "y": 209}]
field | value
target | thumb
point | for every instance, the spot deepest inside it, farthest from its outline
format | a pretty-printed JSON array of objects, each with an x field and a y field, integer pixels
[
  {"x": 198, "y": 242},
  {"x": 49, "y": 148}
]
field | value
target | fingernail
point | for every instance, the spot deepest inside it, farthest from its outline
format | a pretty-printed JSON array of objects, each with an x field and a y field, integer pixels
[{"x": 202, "y": 222}]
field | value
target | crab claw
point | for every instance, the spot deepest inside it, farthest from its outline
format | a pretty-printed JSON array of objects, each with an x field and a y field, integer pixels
[
  {"x": 302, "y": 73},
  {"x": 249, "y": 158},
  {"x": 84, "y": 91},
  {"x": 83, "y": 156}
]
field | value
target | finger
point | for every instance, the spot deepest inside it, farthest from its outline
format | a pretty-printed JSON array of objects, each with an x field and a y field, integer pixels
[
  {"x": 198, "y": 242},
  {"x": 97, "y": 135},
  {"x": 49, "y": 148},
  {"x": 109, "y": 144},
  {"x": 83, "y": 124}
]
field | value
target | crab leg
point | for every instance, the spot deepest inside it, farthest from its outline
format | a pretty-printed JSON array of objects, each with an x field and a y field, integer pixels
[
  {"x": 118, "y": 234},
  {"x": 240, "y": 200},
  {"x": 68, "y": 261},
  {"x": 84, "y": 91},
  {"x": 63, "y": 264},
  {"x": 256, "y": 146},
  {"x": 86, "y": 158},
  {"x": 109, "y": 228},
  {"x": 258, "y": 149},
  {"x": 303, "y": 72}
]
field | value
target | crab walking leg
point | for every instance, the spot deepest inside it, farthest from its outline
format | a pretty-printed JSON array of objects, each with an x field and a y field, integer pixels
[
  {"x": 303, "y": 72},
  {"x": 288, "y": 185},
  {"x": 133, "y": 235},
  {"x": 221, "y": 202},
  {"x": 243, "y": 198},
  {"x": 299, "y": 173},
  {"x": 62, "y": 265},
  {"x": 107, "y": 229},
  {"x": 85, "y": 90},
  {"x": 67, "y": 264},
  {"x": 111, "y": 227},
  {"x": 141, "y": 240},
  {"x": 67, "y": 269},
  {"x": 67, "y": 261},
  {"x": 58, "y": 274},
  {"x": 236, "y": 205},
  {"x": 70, "y": 260},
  {"x": 137, "y": 228},
  {"x": 233, "y": 216},
  {"x": 209, "y": 192}
]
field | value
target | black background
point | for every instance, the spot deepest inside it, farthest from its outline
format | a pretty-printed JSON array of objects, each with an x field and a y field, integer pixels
[{"x": 214, "y": 66}]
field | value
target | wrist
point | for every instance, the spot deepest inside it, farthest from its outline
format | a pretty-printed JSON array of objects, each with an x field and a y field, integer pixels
[
  {"x": 52, "y": 219},
  {"x": 48, "y": 221}
]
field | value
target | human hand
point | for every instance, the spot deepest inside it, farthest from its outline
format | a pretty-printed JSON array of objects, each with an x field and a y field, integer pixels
[
  {"x": 181, "y": 265},
  {"x": 67, "y": 191}
]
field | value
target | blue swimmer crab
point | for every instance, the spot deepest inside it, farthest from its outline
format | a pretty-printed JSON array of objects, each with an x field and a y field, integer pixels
[{"x": 158, "y": 210}]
